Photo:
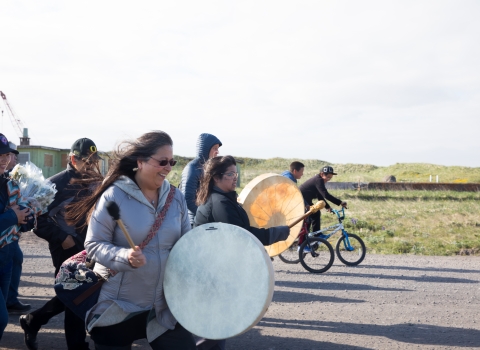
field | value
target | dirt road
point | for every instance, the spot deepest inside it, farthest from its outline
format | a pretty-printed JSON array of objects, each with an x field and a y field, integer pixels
[{"x": 389, "y": 302}]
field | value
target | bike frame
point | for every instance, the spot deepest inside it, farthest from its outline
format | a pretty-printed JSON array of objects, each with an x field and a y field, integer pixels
[{"x": 334, "y": 229}]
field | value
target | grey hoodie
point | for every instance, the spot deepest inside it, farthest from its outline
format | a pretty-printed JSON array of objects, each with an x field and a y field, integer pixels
[{"x": 134, "y": 289}]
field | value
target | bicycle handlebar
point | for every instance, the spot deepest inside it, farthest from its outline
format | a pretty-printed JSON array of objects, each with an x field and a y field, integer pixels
[{"x": 337, "y": 212}]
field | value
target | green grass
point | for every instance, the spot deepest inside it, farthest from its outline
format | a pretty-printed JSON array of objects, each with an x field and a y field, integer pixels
[
  {"x": 404, "y": 172},
  {"x": 414, "y": 222},
  {"x": 392, "y": 222}
]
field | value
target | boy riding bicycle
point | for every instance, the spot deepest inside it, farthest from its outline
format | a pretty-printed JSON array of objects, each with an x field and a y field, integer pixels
[{"x": 315, "y": 188}]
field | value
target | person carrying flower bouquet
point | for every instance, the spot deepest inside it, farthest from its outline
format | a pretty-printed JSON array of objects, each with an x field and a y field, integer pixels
[
  {"x": 14, "y": 305},
  {"x": 65, "y": 240},
  {"x": 17, "y": 216}
]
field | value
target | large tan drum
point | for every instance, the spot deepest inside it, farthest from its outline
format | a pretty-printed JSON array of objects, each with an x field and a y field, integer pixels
[
  {"x": 218, "y": 281},
  {"x": 273, "y": 200}
]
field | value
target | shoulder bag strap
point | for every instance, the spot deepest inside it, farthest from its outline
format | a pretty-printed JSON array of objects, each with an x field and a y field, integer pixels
[
  {"x": 160, "y": 217},
  {"x": 156, "y": 225}
]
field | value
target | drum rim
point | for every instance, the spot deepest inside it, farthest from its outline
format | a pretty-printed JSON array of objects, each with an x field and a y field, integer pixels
[
  {"x": 259, "y": 312},
  {"x": 273, "y": 249}
]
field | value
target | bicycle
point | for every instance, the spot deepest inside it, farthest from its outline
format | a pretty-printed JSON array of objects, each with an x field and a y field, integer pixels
[
  {"x": 349, "y": 248},
  {"x": 290, "y": 256},
  {"x": 322, "y": 253}
]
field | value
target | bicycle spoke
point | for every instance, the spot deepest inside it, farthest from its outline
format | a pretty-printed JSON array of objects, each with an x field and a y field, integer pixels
[
  {"x": 351, "y": 252},
  {"x": 320, "y": 258},
  {"x": 290, "y": 256}
]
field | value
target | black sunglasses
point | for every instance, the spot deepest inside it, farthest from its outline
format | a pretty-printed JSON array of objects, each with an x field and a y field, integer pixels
[{"x": 164, "y": 162}]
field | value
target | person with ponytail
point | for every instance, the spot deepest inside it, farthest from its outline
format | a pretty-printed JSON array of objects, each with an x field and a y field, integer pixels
[{"x": 217, "y": 202}]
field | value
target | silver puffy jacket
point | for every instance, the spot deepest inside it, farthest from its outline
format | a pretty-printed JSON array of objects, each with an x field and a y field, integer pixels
[{"x": 135, "y": 289}]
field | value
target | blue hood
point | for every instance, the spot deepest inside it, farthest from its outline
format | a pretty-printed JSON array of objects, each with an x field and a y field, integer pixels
[{"x": 204, "y": 143}]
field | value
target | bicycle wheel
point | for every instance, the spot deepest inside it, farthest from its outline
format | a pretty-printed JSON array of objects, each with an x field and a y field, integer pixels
[
  {"x": 321, "y": 257},
  {"x": 290, "y": 256},
  {"x": 354, "y": 256}
]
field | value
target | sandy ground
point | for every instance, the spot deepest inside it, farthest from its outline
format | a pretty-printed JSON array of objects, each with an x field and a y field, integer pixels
[{"x": 389, "y": 302}]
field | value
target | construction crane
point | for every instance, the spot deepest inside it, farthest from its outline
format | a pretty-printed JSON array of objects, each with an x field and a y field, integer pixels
[{"x": 21, "y": 131}]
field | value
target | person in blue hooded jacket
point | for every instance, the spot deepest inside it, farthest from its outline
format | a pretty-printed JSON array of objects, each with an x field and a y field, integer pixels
[{"x": 207, "y": 147}]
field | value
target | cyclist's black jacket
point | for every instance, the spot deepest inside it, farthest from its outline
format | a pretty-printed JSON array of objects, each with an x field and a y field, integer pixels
[
  {"x": 223, "y": 207},
  {"x": 315, "y": 188}
]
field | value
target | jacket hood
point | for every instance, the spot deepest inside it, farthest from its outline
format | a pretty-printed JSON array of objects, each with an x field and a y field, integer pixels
[
  {"x": 204, "y": 143},
  {"x": 129, "y": 186}
]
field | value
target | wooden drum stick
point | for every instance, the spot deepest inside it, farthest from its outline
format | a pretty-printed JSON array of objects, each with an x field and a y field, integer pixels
[
  {"x": 114, "y": 212},
  {"x": 313, "y": 209}
]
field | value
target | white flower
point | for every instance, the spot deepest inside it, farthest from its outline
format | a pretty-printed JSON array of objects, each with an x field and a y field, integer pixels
[
  {"x": 62, "y": 276},
  {"x": 80, "y": 276},
  {"x": 32, "y": 184},
  {"x": 71, "y": 286}
]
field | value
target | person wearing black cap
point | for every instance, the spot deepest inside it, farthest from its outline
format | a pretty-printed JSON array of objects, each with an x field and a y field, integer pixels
[
  {"x": 14, "y": 219},
  {"x": 64, "y": 240},
  {"x": 314, "y": 188}
]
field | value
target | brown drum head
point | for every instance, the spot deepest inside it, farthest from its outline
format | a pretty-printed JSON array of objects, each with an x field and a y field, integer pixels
[{"x": 273, "y": 200}]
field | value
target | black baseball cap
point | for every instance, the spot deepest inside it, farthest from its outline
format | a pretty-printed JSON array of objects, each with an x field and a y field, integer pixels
[
  {"x": 328, "y": 170},
  {"x": 85, "y": 148},
  {"x": 5, "y": 146}
]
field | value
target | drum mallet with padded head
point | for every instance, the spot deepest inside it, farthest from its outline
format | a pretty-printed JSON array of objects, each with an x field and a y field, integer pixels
[
  {"x": 114, "y": 212},
  {"x": 313, "y": 209}
]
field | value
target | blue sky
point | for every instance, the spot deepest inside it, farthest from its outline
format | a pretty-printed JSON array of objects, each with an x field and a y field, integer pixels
[{"x": 376, "y": 82}]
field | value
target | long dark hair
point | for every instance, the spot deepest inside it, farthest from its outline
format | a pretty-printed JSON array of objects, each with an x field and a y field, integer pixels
[
  {"x": 124, "y": 161},
  {"x": 214, "y": 167}
]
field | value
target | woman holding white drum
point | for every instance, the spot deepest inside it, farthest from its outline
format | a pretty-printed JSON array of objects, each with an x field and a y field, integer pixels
[
  {"x": 132, "y": 304},
  {"x": 217, "y": 201}
]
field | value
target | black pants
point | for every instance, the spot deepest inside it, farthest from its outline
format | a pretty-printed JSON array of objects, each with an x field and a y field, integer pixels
[
  {"x": 315, "y": 221},
  {"x": 75, "y": 333},
  {"x": 120, "y": 336},
  {"x": 209, "y": 344}
]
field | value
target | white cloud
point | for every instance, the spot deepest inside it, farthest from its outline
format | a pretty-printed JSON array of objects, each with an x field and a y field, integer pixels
[{"x": 345, "y": 81}]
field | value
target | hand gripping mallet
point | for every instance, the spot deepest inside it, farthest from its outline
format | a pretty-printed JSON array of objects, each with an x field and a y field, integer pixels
[{"x": 114, "y": 212}]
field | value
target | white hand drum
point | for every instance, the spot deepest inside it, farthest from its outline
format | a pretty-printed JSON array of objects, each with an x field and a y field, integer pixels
[
  {"x": 218, "y": 281},
  {"x": 273, "y": 200}
]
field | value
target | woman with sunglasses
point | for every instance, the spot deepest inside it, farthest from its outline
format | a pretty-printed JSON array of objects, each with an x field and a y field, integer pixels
[
  {"x": 217, "y": 202},
  {"x": 131, "y": 304}
]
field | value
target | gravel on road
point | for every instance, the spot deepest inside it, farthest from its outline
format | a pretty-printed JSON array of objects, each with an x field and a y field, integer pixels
[{"x": 388, "y": 302}]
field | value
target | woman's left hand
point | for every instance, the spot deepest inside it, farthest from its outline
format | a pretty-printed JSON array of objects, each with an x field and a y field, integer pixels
[{"x": 136, "y": 257}]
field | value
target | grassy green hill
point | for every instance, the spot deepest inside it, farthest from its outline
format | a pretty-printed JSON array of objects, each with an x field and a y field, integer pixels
[
  {"x": 404, "y": 172},
  {"x": 393, "y": 222}
]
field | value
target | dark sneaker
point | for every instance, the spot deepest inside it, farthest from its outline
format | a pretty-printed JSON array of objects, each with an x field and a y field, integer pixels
[
  {"x": 305, "y": 250},
  {"x": 18, "y": 308},
  {"x": 30, "y": 334}
]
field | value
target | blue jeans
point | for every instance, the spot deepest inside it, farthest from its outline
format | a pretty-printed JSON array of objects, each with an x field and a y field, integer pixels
[
  {"x": 16, "y": 273},
  {"x": 5, "y": 276}
]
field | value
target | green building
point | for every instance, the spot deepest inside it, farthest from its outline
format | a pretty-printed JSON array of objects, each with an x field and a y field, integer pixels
[{"x": 50, "y": 160}]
